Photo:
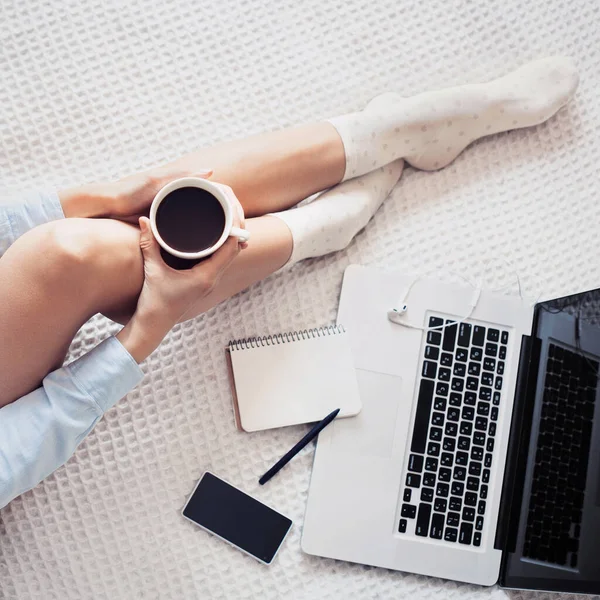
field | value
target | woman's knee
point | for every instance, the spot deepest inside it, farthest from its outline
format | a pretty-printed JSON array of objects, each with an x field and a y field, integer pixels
[
  {"x": 98, "y": 259},
  {"x": 69, "y": 245}
]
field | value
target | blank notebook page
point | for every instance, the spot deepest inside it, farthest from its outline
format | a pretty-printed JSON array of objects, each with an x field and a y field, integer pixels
[{"x": 294, "y": 378}]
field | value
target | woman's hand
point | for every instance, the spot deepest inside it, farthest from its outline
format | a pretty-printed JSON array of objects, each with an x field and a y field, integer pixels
[
  {"x": 167, "y": 294},
  {"x": 126, "y": 199},
  {"x": 172, "y": 293},
  {"x": 131, "y": 197}
]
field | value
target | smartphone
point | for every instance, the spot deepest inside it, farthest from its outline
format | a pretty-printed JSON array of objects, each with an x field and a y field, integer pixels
[{"x": 236, "y": 518}]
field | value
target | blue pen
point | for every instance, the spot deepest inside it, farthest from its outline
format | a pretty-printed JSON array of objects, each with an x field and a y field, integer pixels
[{"x": 311, "y": 435}]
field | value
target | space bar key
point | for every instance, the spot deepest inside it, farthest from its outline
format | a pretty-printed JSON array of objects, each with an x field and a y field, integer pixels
[{"x": 419, "y": 439}]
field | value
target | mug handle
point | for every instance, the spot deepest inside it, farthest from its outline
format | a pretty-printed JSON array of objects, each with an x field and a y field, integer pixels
[{"x": 242, "y": 234}]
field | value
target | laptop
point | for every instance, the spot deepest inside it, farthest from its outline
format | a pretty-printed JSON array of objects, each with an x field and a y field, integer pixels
[{"x": 476, "y": 456}]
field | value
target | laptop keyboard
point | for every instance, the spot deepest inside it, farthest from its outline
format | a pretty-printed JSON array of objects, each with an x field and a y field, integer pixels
[
  {"x": 452, "y": 449},
  {"x": 561, "y": 462}
]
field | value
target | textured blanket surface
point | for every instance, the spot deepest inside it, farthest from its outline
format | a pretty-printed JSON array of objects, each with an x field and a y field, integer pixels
[{"x": 90, "y": 90}]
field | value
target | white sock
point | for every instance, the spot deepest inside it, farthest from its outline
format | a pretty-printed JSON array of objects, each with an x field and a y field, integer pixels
[
  {"x": 431, "y": 129},
  {"x": 330, "y": 222}
]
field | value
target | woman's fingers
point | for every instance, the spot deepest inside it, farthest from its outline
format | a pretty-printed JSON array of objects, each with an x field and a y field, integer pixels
[
  {"x": 237, "y": 206},
  {"x": 211, "y": 269},
  {"x": 239, "y": 219}
]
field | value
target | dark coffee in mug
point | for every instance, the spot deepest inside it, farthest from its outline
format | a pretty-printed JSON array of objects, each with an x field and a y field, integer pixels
[{"x": 190, "y": 219}]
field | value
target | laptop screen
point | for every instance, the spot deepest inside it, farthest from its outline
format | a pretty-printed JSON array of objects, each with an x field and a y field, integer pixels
[{"x": 555, "y": 504}]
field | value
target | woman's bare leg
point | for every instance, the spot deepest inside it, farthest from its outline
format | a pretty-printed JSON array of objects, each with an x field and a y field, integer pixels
[
  {"x": 58, "y": 275},
  {"x": 273, "y": 171}
]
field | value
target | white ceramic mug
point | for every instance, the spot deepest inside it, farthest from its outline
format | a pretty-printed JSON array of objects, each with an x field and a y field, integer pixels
[{"x": 220, "y": 193}]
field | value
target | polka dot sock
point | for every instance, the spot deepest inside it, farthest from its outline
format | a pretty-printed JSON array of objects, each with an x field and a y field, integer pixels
[
  {"x": 431, "y": 129},
  {"x": 330, "y": 222}
]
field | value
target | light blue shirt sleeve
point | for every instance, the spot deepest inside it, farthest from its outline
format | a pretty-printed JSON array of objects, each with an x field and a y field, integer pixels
[
  {"x": 19, "y": 216},
  {"x": 40, "y": 431}
]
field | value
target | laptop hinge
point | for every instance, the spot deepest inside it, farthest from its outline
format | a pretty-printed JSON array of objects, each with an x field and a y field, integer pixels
[{"x": 518, "y": 444}]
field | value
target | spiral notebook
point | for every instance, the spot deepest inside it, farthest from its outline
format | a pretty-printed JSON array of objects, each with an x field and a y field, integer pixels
[{"x": 292, "y": 378}]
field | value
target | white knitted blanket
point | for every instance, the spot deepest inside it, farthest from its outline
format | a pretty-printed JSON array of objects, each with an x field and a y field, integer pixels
[{"x": 91, "y": 89}]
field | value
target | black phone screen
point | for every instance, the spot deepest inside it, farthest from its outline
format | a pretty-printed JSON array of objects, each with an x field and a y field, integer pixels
[{"x": 237, "y": 518}]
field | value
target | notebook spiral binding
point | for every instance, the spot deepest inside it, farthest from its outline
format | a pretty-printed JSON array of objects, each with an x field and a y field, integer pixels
[{"x": 285, "y": 338}]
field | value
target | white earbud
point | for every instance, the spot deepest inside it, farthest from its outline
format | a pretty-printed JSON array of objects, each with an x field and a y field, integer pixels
[
  {"x": 398, "y": 315},
  {"x": 395, "y": 314}
]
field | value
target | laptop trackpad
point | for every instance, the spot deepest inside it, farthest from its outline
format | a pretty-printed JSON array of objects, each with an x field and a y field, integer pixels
[{"x": 371, "y": 432}]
